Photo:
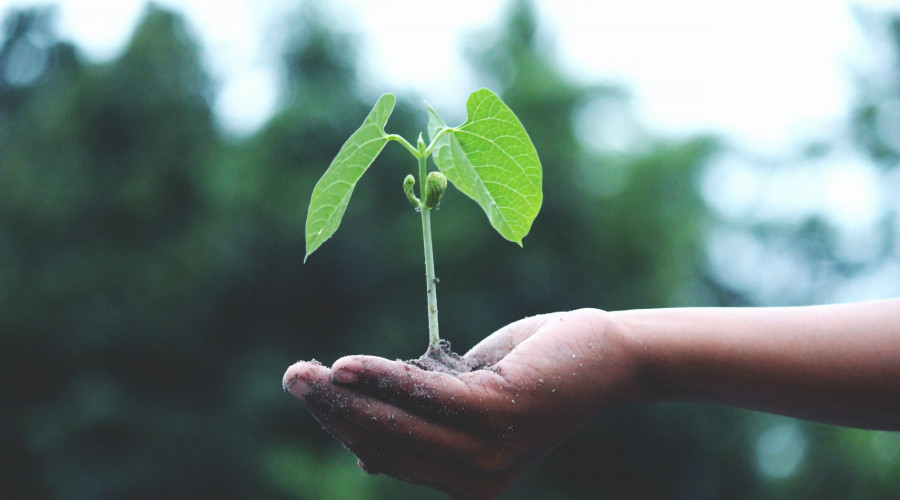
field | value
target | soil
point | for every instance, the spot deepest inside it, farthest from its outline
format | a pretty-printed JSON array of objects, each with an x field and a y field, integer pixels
[{"x": 444, "y": 360}]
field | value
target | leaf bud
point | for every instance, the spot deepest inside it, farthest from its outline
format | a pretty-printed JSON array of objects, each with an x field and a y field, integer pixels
[
  {"x": 435, "y": 185},
  {"x": 408, "y": 184},
  {"x": 420, "y": 144}
]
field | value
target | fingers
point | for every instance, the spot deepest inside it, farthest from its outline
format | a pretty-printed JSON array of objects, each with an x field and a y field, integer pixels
[
  {"x": 466, "y": 398},
  {"x": 357, "y": 420},
  {"x": 412, "y": 434},
  {"x": 392, "y": 441},
  {"x": 439, "y": 395},
  {"x": 304, "y": 376},
  {"x": 416, "y": 461}
]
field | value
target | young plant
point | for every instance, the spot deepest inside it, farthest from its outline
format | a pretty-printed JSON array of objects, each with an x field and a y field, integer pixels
[{"x": 490, "y": 158}]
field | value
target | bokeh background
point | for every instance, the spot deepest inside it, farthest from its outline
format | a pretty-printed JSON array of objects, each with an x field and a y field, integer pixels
[{"x": 152, "y": 290}]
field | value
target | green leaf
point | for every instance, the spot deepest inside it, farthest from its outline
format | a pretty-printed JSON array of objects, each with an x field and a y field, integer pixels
[
  {"x": 491, "y": 159},
  {"x": 332, "y": 192}
]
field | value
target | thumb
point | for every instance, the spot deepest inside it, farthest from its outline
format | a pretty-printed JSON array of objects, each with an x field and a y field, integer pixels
[{"x": 500, "y": 343}]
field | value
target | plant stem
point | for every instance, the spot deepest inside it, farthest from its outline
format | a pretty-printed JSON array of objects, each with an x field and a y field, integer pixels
[
  {"x": 404, "y": 143},
  {"x": 431, "y": 282}
]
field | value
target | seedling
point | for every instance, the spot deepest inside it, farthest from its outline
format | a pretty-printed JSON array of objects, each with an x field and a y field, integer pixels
[{"x": 490, "y": 158}]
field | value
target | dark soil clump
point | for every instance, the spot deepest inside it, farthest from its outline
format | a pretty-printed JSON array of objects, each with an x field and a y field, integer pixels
[{"x": 443, "y": 360}]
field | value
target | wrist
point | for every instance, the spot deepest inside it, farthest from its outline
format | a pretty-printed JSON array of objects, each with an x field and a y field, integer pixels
[
  {"x": 633, "y": 329},
  {"x": 622, "y": 369}
]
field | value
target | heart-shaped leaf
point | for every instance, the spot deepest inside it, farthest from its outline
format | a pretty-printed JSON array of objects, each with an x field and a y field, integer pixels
[
  {"x": 332, "y": 193},
  {"x": 492, "y": 160}
]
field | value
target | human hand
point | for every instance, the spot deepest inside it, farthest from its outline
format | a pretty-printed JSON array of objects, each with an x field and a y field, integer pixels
[{"x": 473, "y": 435}]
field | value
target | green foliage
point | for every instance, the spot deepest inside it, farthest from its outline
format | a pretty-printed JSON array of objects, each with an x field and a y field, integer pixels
[
  {"x": 332, "y": 192},
  {"x": 152, "y": 295},
  {"x": 491, "y": 159}
]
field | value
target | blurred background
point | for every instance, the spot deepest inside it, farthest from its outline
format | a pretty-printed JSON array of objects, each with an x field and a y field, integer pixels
[{"x": 153, "y": 194}]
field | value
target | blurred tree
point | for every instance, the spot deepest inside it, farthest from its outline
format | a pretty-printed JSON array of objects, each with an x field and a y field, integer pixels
[
  {"x": 838, "y": 243},
  {"x": 153, "y": 288},
  {"x": 166, "y": 254},
  {"x": 621, "y": 227},
  {"x": 30, "y": 56},
  {"x": 108, "y": 271},
  {"x": 354, "y": 297},
  {"x": 625, "y": 222},
  {"x": 877, "y": 115}
]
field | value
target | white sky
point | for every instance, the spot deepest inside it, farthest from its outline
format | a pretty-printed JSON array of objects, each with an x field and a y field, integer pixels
[{"x": 766, "y": 73}]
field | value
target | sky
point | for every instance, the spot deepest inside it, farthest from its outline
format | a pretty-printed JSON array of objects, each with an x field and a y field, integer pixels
[{"x": 765, "y": 74}]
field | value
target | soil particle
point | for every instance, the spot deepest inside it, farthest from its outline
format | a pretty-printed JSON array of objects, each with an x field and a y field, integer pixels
[{"x": 444, "y": 360}]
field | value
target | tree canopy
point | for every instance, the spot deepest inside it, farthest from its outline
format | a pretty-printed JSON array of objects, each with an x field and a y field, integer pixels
[{"x": 153, "y": 290}]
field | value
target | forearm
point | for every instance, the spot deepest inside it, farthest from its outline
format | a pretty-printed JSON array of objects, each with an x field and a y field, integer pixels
[{"x": 837, "y": 364}]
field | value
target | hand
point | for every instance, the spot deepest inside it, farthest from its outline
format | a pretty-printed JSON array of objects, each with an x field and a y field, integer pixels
[{"x": 475, "y": 434}]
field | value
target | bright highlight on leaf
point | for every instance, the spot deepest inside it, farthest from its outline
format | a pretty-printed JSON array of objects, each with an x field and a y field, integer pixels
[
  {"x": 491, "y": 159},
  {"x": 332, "y": 192}
]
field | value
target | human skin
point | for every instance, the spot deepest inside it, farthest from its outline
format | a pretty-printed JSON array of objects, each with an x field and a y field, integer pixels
[{"x": 473, "y": 435}]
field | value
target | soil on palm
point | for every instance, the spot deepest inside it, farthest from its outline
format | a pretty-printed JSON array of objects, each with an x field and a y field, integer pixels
[{"x": 443, "y": 360}]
